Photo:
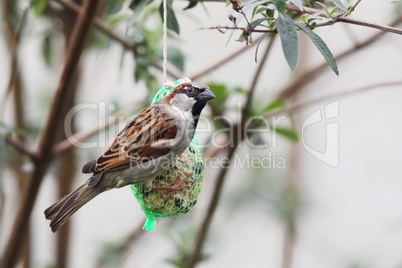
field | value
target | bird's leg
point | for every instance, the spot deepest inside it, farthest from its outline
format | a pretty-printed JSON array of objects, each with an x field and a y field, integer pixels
[{"x": 174, "y": 187}]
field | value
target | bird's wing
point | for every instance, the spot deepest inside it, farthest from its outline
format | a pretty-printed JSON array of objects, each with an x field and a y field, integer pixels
[{"x": 133, "y": 145}]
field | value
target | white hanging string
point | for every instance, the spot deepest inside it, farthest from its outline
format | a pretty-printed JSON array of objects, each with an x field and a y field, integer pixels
[{"x": 168, "y": 84}]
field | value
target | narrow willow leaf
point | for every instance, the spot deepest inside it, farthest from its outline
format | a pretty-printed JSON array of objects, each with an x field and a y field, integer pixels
[
  {"x": 333, "y": 11},
  {"x": 321, "y": 46},
  {"x": 191, "y": 4},
  {"x": 47, "y": 49},
  {"x": 38, "y": 6},
  {"x": 288, "y": 133},
  {"x": 289, "y": 39},
  {"x": 276, "y": 104},
  {"x": 325, "y": 8},
  {"x": 339, "y": 4},
  {"x": 137, "y": 5},
  {"x": 172, "y": 23},
  {"x": 280, "y": 5},
  {"x": 258, "y": 45},
  {"x": 298, "y": 3},
  {"x": 257, "y": 22}
]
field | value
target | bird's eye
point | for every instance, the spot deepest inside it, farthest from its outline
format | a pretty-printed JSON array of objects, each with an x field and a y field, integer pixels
[{"x": 190, "y": 90}]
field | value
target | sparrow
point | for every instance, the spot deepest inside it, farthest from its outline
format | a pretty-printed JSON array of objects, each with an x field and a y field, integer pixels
[{"x": 147, "y": 146}]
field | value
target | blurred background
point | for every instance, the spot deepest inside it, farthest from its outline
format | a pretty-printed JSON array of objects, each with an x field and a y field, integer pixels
[{"x": 298, "y": 210}]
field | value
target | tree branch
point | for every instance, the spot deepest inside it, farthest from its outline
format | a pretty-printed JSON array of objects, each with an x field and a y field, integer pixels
[
  {"x": 12, "y": 41},
  {"x": 202, "y": 233},
  {"x": 327, "y": 23},
  {"x": 369, "y": 24},
  {"x": 19, "y": 146},
  {"x": 101, "y": 27},
  {"x": 343, "y": 18},
  {"x": 48, "y": 138},
  {"x": 339, "y": 18},
  {"x": 66, "y": 144},
  {"x": 224, "y": 60},
  {"x": 300, "y": 106},
  {"x": 353, "y": 7}
]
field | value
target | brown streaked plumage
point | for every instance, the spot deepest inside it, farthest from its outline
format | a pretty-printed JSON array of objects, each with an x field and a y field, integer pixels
[{"x": 141, "y": 151}]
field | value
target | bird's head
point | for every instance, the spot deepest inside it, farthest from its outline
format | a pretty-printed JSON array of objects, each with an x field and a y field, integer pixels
[{"x": 190, "y": 96}]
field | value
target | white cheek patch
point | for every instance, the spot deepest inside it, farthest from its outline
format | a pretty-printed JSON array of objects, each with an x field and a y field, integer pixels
[{"x": 183, "y": 102}]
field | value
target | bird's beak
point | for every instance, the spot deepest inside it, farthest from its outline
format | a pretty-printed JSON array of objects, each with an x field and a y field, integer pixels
[{"x": 206, "y": 95}]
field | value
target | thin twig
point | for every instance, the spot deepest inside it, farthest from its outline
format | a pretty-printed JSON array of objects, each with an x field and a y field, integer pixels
[
  {"x": 288, "y": 247},
  {"x": 224, "y": 60},
  {"x": 123, "y": 247},
  {"x": 19, "y": 146},
  {"x": 101, "y": 27},
  {"x": 66, "y": 144},
  {"x": 238, "y": 28},
  {"x": 48, "y": 138},
  {"x": 353, "y": 7},
  {"x": 82, "y": 136},
  {"x": 345, "y": 19},
  {"x": 369, "y": 24},
  {"x": 206, "y": 222},
  {"x": 2, "y": 202},
  {"x": 327, "y": 23},
  {"x": 341, "y": 18},
  {"x": 297, "y": 107},
  {"x": 13, "y": 41}
]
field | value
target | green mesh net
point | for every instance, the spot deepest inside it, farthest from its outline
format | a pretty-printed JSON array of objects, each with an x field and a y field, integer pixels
[{"x": 186, "y": 172}]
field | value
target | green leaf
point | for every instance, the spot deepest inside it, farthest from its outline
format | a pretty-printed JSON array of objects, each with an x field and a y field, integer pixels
[
  {"x": 221, "y": 92},
  {"x": 47, "y": 49},
  {"x": 258, "y": 45},
  {"x": 280, "y": 5},
  {"x": 339, "y": 4},
  {"x": 113, "y": 21},
  {"x": 191, "y": 4},
  {"x": 288, "y": 133},
  {"x": 260, "y": 10},
  {"x": 289, "y": 39},
  {"x": 315, "y": 16},
  {"x": 172, "y": 23},
  {"x": 298, "y": 3},
  {"x": 325, "y": 8},
  {"x": 38, "y": 6},
  {"x": 257, "y": 22},
  {"x": 321, "y": 46},
  {"x": 270, "y": 11},
  {"x": 242, "y": 38},
  {"x": 137, "y": 6},
  {"x": 114, "y": 6},
  {"x": 274, "y": 105},
  {"x": 240, "y": 90},
  {"x": 176, "y": 57},
  {"x": 333, "y": 11}
]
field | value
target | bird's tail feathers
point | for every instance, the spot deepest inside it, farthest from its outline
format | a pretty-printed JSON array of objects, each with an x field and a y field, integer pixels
[{"x": 61, "y": 211}]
